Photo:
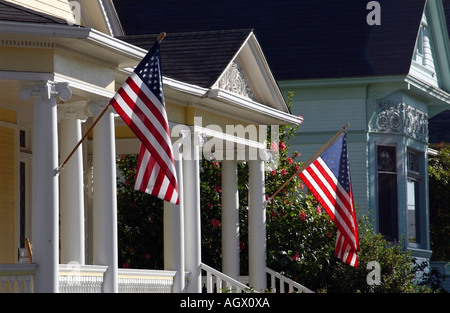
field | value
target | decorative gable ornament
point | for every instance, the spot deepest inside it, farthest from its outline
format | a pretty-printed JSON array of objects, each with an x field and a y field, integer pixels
[
  {"x": 400, "y": 118},
  {"x": 235, "y": 80}
]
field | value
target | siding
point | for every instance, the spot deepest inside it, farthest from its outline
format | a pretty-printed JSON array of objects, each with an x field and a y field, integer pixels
[
  {"x": 7, "y": 183},
  {"x": 325, "y": 111},
  {"x": 57, "y": 8}
]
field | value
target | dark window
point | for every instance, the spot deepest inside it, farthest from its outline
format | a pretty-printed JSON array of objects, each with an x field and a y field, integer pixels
[
  {"x": 387, "y": 192},
  {"x": 413, "y": 196}
]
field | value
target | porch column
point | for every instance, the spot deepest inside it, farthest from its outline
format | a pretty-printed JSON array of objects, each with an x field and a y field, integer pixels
[
  {"x": 192, "y": 229},
  {"x": 105, "y": 197},
  {"x": 45, "y": 182},
  {"x": 71, "y": 185},
  {"x": 174, "y": 230},
  {"x": 230, "y": 219},
  {"x": 257, "y": 226}
]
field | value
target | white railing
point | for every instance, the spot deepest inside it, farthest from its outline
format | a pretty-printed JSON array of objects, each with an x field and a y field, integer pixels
[
  {"x": 145, "y": 281},
  {"x": 75, "y": 278},
  {"x": 215, "y": 281},
  {"x": 17, "y": 278},
  {"x": 280, "y": 281}
]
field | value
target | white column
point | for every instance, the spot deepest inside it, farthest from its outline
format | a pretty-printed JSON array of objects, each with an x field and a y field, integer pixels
[
  {"x": 257, "y": 226},
  {"x": 230, "y": 219},
  {"x": 174, "y": 230},
  {"x": 45, "y": 182},
  {"x": 71, "y": 187},
  {"x": 105, "y": 200},
  {"x": 192, "y": 229}
]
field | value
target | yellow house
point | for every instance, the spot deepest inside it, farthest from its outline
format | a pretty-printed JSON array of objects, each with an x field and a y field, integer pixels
[{"x": 60, "y": 64}]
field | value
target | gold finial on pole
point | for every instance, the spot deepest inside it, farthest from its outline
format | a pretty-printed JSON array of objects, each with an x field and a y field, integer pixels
[{"x": 161, "y": 37}]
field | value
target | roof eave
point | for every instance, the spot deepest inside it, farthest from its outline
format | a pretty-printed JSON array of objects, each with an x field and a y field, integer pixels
[{"x": 89, "y": 40}]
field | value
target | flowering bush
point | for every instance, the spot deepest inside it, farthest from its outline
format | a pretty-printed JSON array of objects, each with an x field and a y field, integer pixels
[
  {"x": 139, "y": 217},
  {"x": 300, "y": 235}
]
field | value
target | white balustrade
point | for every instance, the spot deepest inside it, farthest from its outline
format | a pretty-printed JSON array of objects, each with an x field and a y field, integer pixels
[
  {"x": 218, "y": 282},
  {"x": 276, "y": 279},
  {"x": 145, "y": 281},
  {"x": 16, "y": 278}
]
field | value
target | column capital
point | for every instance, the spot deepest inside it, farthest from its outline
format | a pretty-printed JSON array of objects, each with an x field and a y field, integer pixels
[
  {"x": 46, "y": 90},
  {"x": 96, "y": 106}
]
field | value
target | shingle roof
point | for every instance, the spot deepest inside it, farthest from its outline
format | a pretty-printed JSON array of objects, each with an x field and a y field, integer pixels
[
  {"x": 301, "y": 39},
  {"x": 15, "y": 13},
  {"x": 196, "y": 58}
]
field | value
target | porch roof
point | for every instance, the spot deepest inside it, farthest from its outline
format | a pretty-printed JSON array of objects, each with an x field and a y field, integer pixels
[{"x": 197, "y": 58}]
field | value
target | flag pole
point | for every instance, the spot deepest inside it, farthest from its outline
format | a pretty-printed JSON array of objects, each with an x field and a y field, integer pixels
[
  {"x": 311, "y": 159},
  {"x": 61, "y": 167}
]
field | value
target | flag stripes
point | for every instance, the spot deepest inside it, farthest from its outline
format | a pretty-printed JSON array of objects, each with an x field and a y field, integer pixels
[
  {"x": 333, "y": 198},
  {"x": 327, "y": 186},
  {"x": 136, "y": 108},
  {"x": 140, "y": 103},
  {"x": 150, "y": 178}
]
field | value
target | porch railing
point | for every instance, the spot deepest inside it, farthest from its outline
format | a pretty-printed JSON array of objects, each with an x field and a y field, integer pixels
[
  {"x": 17, "y": 278},
  {"x": 282, "y": 284},
  {"x": 218, "y": 282},
  {"x": 74, "y": 278},
  {"x": 145, "y": 281}
]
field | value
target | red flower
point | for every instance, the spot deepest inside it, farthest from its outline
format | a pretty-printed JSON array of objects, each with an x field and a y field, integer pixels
[
  {"x": 274, "y": 146},
  {"x": 147, "y": 256},
  {"x": 303, "y": 215},
  {"x": 217, "y": 188},
  {"x": 282, "y": 145},
  {"x": 216, "y": 164},
  {"x": 241, "y": 245},
  {"x": 126, "y": 265},
  {"x": 296, "y": 256},
  {"x": 215, "y": 223},
  {"x": 289, "y": 160},
  {"x": 319, "y": 209},
  {"x": 283, "y": 171},
  {"x": 274, "y": 173},
  {"x": 208, "y": 207}
]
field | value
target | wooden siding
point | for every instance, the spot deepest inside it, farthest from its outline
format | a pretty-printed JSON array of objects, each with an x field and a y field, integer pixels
[
  {"x": 57, "y": 8},
  {"x": 325, "y": 111},
  {"x": 7, "y": 203}
]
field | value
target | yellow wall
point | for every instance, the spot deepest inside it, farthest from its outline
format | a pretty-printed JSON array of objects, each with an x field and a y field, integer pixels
[
  {"x": 58, "y": 8},
  {"x": 7, "y": 203},
  {"x": 30, "y": 59}
]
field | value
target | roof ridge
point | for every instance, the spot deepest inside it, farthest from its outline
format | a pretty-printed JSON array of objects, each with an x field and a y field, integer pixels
[{"x": 206, "y": 32}]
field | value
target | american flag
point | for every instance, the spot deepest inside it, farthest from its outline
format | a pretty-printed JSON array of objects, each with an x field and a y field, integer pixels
[
  {"x": 328, "y": 178},
  {"x": 140, "y": 103}
]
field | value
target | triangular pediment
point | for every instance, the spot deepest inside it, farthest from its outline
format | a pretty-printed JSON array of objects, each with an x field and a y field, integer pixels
[
  {"x": 236, "y": 81},
  {"x": 248, "y": 76},
  {"x": 424, "y": 60}
]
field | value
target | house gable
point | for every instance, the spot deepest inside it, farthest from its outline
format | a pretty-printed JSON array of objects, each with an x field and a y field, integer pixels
[{"x": 225, "y": 63}]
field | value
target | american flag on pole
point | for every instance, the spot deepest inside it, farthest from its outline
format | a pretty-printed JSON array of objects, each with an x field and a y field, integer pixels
[
  {"x": 140, "y": 103},
  {"x": 328, "y": 178}
]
